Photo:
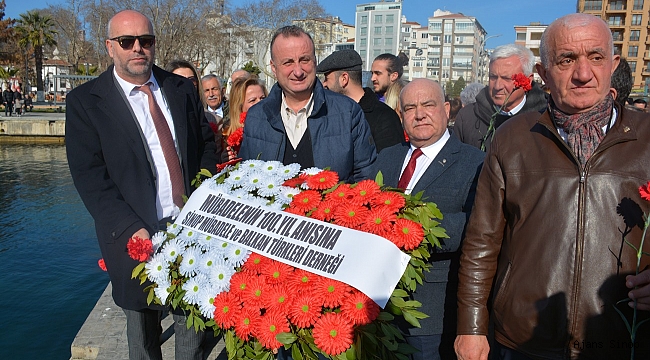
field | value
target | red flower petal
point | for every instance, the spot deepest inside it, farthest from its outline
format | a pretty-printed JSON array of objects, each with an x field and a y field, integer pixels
[
  {"x": 226, "y": 310},
  {"x": 644, "y": 191},
  {"x": 245, "y": 323},
  {"x": 323, "y": 180},
  {"x": 364, "y": 191},
  {"x": 271, "y": 324},
  {"x": 331, "y": 292},
  {"x": 350, "y": 215},
  {"x": 359, "y": 309},
  {"x": 390, "y": 199},
  {"x": 333, "y": 334},
  {"x": 255, "y": 263},
  {"x": 324, "y": 211},
  {"x": 304, "y": 311},
  {"x": 521, "y": 81},
  {"x": 102, "y": 264},
  {"x": 139, "y": 249},
  {"x": 306, "y": 200},
  {"x": 379, "y": 221},
  {"x": 407, "y": 234},
  {"x": 275, "y": 272}
]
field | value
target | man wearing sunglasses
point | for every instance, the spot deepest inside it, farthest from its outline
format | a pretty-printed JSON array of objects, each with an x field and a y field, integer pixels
[{"x": 135, "y": 138}]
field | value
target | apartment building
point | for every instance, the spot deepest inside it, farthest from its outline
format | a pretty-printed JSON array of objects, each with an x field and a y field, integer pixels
[
  {"x": 629, "y": 23},
  {"x": 530, "y": 37},
  {"x": 377, "y": 30},
  {"x": 327, "y": 33}
]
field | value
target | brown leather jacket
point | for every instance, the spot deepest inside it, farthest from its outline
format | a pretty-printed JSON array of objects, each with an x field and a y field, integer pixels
[{"x": 550, "y": 237}]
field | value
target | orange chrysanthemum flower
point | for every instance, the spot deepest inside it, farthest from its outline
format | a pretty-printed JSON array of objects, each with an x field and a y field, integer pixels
[
  {"x": 359, "y": 309},
  {"x": 254, "y": 294},
  {"x": 333, "y": 334},
  {"x": 227, "y": 307},
  {"x": 331, "y": 292},
  {"x": 350, "y": 215},
  {"x": 364, "y": 191},
  {"x": 389, "y": 199},
  {"x": 271, "y": 324},
  {"x": 301, "y": 280},
  {"x": 379, "y": 221},
  {"x": 407, "y": 234},
  {"x": 306, "y": 200},
  {"x": 340, "y": 194},
  {"x": 644, "y": 190},
  {"x": 275, "y": 272},
  {"x": 278, "y": 299},
  {"x": 324, "y": 211},
  {"x": 304, "y": 311},
  {"x": 323, "y": 180},
  {"x": 245, "y": 322},
  {"x": 239, "y": 282},
  {"x": 255, "y": 263}
]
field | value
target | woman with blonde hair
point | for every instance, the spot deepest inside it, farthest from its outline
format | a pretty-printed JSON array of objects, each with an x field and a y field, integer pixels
[
  {"x": 245, "y": 93},
  {"x": 391, "y": 97}
]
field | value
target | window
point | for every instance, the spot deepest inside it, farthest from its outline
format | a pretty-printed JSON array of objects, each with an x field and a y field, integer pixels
[
  {"x": 389, "y": 30},
  {"x": 464, "y": 26},
  {"x": 638, "y": 5},
  {"x": 634, "y": 35},
  {"x": 377, "y": 41},
  {"x": 447, "y": 39},
  {"x": 435, "y": 38},
  {"x": 615, "y": 21},
  {"x": 632, "y": 51},
  {"x": 376, "y": 52},
  {"x": 446, "y": 61},
  {"x": 378, "y": 19},
  {"x": 362, "y": 53},
  {"x": 363, "y": 31},
  {"x": 425, "y": 35},
  {"x": 368, "y": 8},
  {"x": 536, "y": 36},
  {"x": 593, "y": 5},
  {"x": 459, "y": 39},
  {"x": 446, "y": 50},
  {"x": 434, "y": 62},
  {"x": 632, "y": 66},
  {"x": 417, "y": 63},
  {"x": 636, "y": 19},
  {"x": 448, "y": 25},
  {"x": 390, "y": 19},
  {"x": 521, "y": 36},
  {"x": 617, "y": 35},
  {"x": 363, "y": 42},
  {"x": 388, "y": 41},
  {"x": 414, "y": 35},
  {"x": 364, "y": 19},
  {"x": 616, "y": 5},
  {"x": 435, "y": 26},
  {"x": 377, "y": 30}
]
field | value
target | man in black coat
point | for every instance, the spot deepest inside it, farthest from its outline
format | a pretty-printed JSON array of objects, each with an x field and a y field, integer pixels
[
  {"x": 8, "y": 98},
  {"x": 499, "y": 101},
  {"x": 342, "y": 71},
  {"x": 447, "y": 171},
  {"x": 135, "y": 137}
]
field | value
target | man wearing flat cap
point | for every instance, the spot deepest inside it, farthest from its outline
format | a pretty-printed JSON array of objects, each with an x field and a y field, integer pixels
[{"x": 342, "y": 70}]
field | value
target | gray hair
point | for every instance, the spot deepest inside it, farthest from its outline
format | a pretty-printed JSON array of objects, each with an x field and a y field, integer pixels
[
  {"x": 210, "y": 77},
  {"x": 569, "y": 22},
  {"x": 526, "y": 57},
  {"x": 468, "y": 95}
]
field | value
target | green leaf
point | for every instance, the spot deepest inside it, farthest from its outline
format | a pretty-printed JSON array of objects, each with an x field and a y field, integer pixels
[
  {"x": 399, "y": 293},
  {"x": 136, "y": 270},
  {"x": 411, "y": 319},
  {"x": 286, "y": 338},
  {"x": 385, "y": 316},
  {"x": 379, "y": 179},
  {"x": 150, "y": 297},
  {"x": 295, "y": 352}
]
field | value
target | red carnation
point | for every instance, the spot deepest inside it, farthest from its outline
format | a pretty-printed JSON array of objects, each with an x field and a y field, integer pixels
[
  {"x": 333, "y": 334},
  {"x": 301, "y": 281},
  {"x": 242, "y": 117},
  {"x": 407, "y": 234},
  {"x": 253, "y": 296},
  {"x": 304, "y": 311},
  {"x": 234, "y": 140},
  {"x": 255, "y": 263},
  {"x": 239, "y": 282},
  {"x": 323, "y": 180},
  {"x": 341, "y": 193},
  {"x": 644, "y": 190},
  {"x": 102, "y": 264},
  {"x": 521, "y": 81},
  {"x": 226, "y": 308},
  {"x": 271, "y": 324},
  {"x": 139, "y": 249},
  {"x": 359, "y": 309},
  {"x": 278, "y": 299}
]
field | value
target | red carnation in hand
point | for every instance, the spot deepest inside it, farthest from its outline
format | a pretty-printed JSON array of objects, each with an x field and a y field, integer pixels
[
  {"x": 323, "y": 180},
  {"x": 139, "y": 249},
  {"x": 522, "y": 81},
  {"x": 242, "y": 117},
  {"x": 102, "y": 264},
  {"x": 235, "y": 139},
  {"x": 333, "y": 334},
  {"x": 644, "y": 190}
]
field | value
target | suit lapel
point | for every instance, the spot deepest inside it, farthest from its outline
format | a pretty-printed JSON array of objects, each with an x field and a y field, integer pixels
[
  {"x": 391, "y": 176},
  {"x": 445, "y": 158},
  {"x": 176, "y": 101}
]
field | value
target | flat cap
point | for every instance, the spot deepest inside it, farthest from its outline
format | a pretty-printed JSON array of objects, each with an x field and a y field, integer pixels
[{"x": 347, "y": 59}]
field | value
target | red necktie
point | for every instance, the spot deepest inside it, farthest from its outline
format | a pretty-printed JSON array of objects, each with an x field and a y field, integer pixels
[
  {"x": 168, "y": 147},
  {"x": 409, "y": 170}
]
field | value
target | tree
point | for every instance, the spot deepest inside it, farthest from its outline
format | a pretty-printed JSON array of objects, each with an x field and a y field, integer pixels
[
  {"x": 6, "y": 74},
  {"x": 37, "y": 31},
  {"x": 70, "y": 37},
  {"x": 8, "y": 45},
  {"x": 251, "y": 68},
  {"x": 459, "y": 85}
]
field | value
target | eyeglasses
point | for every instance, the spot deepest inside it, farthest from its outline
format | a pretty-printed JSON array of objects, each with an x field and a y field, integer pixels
[{"x": 127, "y": 41}]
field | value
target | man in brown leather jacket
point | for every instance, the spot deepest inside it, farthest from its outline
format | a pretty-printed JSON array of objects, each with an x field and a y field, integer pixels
[{"x": 556, "y": 202}]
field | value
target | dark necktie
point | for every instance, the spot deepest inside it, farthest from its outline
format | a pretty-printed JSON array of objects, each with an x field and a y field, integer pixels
[
  {"x": 409, "y": 170},
  {"x": 168, "y": 147}
]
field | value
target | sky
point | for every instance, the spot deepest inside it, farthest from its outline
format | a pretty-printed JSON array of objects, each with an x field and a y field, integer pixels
[{"x": 498, "y": 17}]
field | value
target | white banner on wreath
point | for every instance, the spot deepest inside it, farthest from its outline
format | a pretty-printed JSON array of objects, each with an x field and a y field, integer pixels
[{"x": 368, "y": 262}]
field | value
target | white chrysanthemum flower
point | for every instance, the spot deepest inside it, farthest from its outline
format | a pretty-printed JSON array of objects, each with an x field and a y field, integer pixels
[
  {"x": 286, "y": 172},
  {"x": 193, "y": 287},
  {"x": 256, "y": 200},
  {"x": 188, "y": 237},
  {"x": 174, "y": 229},
  {"x": 286, "y": 194},
  {"x": 157, "y": 268},
  {"x": 208, "y": 260},
  {"x": 205, "y": 242},
  {"x": 222, "y": 246},
  {"x": 162, "y": 291},
  {"x": 275, "y": 205},
  {"x": 241, "y": 194},
  {"x": 206, "y": 302},
  {"x": 220, "y": 276},
  {"x": 272, "y": 167},
  {"x": 158, "y": 239},
  {"x": 311, "y": 171},
  {"x": 249, "y": 165},
  {"x": 270, "y": 187},
  {"x": 236, "y": 255},
  {"x": 253, "y": 181},
  {"x": 236, "y": 178},
  {"x": 172, "y": 249},
  {"x": 190, "y": 261},
  {"x": 219, "y": 188}
]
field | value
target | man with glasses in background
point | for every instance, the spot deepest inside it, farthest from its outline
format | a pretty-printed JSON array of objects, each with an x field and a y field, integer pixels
[{"x": 135, "y": 138}]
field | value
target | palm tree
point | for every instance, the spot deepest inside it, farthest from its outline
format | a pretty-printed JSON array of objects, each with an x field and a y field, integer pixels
[
  {"x": 6, "y": 74},
  {"x": 36, "y": 30}
]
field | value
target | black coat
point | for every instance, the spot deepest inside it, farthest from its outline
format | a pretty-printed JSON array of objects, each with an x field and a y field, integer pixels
[
  {"x": 385, "y": 126},
  {"x": 112, "y": 169}
]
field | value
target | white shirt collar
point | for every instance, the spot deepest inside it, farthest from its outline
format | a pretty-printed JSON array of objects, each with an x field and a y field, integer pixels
[{"x": 516, "y": 109}]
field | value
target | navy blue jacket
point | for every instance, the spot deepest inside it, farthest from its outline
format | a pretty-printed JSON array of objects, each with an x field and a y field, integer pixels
[{"x": 340, "y": 134}]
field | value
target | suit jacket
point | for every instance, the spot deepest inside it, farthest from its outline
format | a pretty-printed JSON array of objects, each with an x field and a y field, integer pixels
[
  {"x": 450, "y": 182},
  {"x": 385, "y": 126},
  {"x": 113, "y": 172}
]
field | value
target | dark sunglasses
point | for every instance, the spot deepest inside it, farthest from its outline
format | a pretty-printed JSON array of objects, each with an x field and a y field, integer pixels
[{"x": 127, "y": 41}]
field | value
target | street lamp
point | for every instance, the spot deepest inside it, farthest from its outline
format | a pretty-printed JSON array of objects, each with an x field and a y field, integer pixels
[{"x": 482, "y": 54}]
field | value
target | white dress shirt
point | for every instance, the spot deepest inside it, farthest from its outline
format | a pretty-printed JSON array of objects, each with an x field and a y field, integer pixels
[
  {"x": 422, "y": 163},
  {"x": 295, "y": 124},
  {"x": 140, "y": 104},
  {"x": 515, "y": 109}
]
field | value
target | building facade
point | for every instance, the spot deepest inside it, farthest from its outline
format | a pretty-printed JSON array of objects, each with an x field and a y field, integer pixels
[
  {"x": 629, "y": 23},
  {"x": 327, "y": 33},
  {"x": 377, "y": 30},
  {"x": 530, "y": 36}
]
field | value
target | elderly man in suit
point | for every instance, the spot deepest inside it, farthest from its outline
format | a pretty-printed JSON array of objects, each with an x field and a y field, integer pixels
[
  {"x": 135, "y": 137},
  {"x": 447, "y": 171}
]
